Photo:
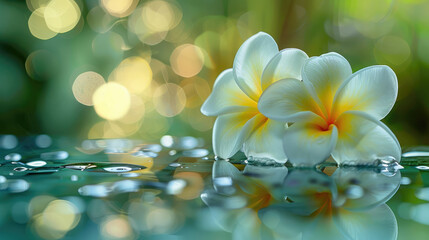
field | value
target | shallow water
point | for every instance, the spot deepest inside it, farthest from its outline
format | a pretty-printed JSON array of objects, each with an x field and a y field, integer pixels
[{"x": 128, "y": 189}]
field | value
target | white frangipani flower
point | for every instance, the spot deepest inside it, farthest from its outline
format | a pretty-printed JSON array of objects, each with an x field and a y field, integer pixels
[
  {"x": 335, "y": 113},
  {"x": 235, "y": 95}
]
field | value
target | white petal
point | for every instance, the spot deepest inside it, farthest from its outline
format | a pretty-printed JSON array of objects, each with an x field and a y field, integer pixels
[
  {"x": 377, "y": 223},
  {"x": 362, "y": 139},
  {"x": 285, "y": 64},
  {"x": 306, "y": 144},
  {"x": 288, "y": 100},
  {"x": 230, "y": 131},
  {"x": 372, "y": 90},
  {"x": 250, "y": 61},
  {"x": 323, "y": 76},
  {"x": 266, "y": 140},
  {"x": 226, "y": 97}
]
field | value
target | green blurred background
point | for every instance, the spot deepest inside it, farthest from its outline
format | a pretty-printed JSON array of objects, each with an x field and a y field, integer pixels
[{"x": 142, "y": 69}]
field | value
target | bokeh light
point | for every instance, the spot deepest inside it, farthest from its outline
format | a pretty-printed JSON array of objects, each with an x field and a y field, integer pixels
[
  {"x": 85, "y": 85},
  {"x": 119, "y": 8},
  {"x": 169, "y": 99},
  {"x": 134, "y": 73},
  {"x": 111, "y": 101},
  {"x": 61, "y": 15},
  {"x": 187, "y": 60}
]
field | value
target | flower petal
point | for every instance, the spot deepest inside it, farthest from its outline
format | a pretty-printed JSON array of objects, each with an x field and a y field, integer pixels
[
  {"x": 285, "y": 64},
  {"x": 377, "y": 223},
  {"x": 372, "y": 90},
  {"x": 250, "y": 61},
  {"x": 323, "y": 76},
  {"x": 230, "y": 131},
  {"x": 362, "y": 138},
  {"x": 266, "y": 140},
  {"x": 306, "y": 144},
  {"x": 226, "y": 97},
  {"x": 288, "y": 100}
]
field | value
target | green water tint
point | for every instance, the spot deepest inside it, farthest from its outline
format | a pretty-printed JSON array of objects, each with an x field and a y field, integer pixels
[{"x": 127, "y": 189}]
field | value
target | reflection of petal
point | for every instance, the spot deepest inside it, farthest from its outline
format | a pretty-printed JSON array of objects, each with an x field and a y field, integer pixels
[
  {"x": 268, "y": 174},
  {"x": 226, "y": 97},
  {"x": 285, "y": 64},
  {"x": 266, "y": 140},
  {"x": 222, "y": 168},
  {"x": 304, "y": 187},
  {"x": 288, "y": 100},
  {"x": 250, "y": 61},
  {"x": 372, "y": 90},
  {"x": 377, "y": 223},
  {"x": 230, "y": 131},
  {"x": 376, "y": 188},
  {"x": 363, "y": 138},
  {"x": 307, "y": 144},
  {"x": 323, "y": 75}
]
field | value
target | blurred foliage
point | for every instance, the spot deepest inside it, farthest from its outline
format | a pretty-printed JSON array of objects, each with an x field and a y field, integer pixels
[{"x": 166, "y": 54}]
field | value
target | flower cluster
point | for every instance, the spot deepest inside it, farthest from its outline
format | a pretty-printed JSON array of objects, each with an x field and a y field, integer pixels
[{"x": 283, "y": 105}]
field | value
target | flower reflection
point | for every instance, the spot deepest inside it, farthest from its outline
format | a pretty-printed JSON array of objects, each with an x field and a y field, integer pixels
[
  {"x": 350, "y": 204},
  {"x": 302, "y": 204}
]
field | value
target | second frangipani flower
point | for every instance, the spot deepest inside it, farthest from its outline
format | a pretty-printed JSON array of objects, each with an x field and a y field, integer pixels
[
  {"x": 334, "y": 112},
  {"x": 236, "y": 91}
]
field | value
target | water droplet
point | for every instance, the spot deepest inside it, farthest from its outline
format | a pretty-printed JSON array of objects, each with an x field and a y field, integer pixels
[
  {"x": 145, "y": 154},
  {"x": 43, "y": 141},
  {"x": 119, "y": 169},
  {"x": 172, "y": 152},
  {"x": 8, "y": 141},
  {"x": 17, "y": 185},
  {"x": 2, "y": 179},
  {"x": 104, "y": 167},
  {"x": 422, "y": 167},
  {"x": 74, "y": 178},
  {"x": 405, "y": 181},
  {"x": 94, "y": 191},
  {"x": 416, "y": 154},
  {"x": 131, "y": 174},
  {"x": 174, "y": 164},
  {"x": 36, "y": 163},
  {"x": 58, "y": 155},
  {"x": 151, "y": 147},
  {"x": 354, "y": 192},
  {"x": 20, "y": 169},
  {"x": 196, "y": 153},
  {"x": 187, "y": 142},
  {"x": 13, "y": 157},
  {"x": 175, "y": 186}
]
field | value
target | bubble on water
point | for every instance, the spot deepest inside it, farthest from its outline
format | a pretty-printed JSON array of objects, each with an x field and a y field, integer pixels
[
  {"x": 36, "y": 163},
  {"x": 405, "y": 181},
  {"x": 423, "y": 194},
  {"x": 354, "y": 192},
  {"x": 422, "y": 167},
  {"x": 175, "y": 164},
  {"x": 43, "y": 141},
  {"x": 94, "y": 191},
  {"x": 196, "y": 153},
  {"x": 13, "y": 157},
  {"x": 20, "y": 169},
  {"x": 58, "y": 155},
  {"x": 119, "y": 169},
  {"x": 17, "y": 185},
  {"x": 151, "y": 147},
  {"x": 175, "y": 186},
  {"x": 8, "y": 141},
  {"x": 186, "y": 142},
  {"x": 145, "y": 154}
]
